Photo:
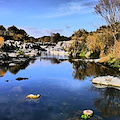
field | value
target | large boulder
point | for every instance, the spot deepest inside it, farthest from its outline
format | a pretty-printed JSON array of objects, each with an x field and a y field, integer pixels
[
  {"x": 107, "y": 80},
  {"x": 87, "y": 55},
  {"x": 4, "y": 56}
]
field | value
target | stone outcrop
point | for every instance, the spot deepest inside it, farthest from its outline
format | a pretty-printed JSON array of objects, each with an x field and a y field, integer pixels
[
  {"x": 60, "y": 48},
  {"x": 18, "y": 51},
  {"x": 107, "y": 81},
  {"x": 11, "y": 45},
  {"x": 4, "y": 55}
]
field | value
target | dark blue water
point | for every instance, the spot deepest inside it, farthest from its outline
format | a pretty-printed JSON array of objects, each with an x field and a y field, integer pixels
[{"x": 65, "y": 88}]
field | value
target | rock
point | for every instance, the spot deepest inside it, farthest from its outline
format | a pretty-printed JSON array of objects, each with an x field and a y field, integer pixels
[
  {"x": 12, "y": 64},
  {"x": 99, "y": 86},
  {"x": 12, "y": 55},
  {"x": 31, "y": 96},
  {"x": 28, "y": 50},
  {"x": 20, "y": 78},
  {"x": 6, "y": 80},
  {"x": 107, "y": 80},
  {"x": 60, "y": 48},
  {"x": 4, "y": 56},
  {"x": 87, "y": 55},
  {"x": 88, "y": 112},
  {"x": 31, "y": 54}
]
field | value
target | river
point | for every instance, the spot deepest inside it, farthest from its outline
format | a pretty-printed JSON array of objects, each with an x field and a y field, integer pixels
[{"x": 65, "y": 87}]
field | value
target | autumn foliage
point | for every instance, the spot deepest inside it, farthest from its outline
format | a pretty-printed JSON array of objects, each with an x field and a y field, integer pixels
[
  {"x": 95, "y": 43},
  {"x": 116, "y": 50},
  {"x": 1, "y": 41}
]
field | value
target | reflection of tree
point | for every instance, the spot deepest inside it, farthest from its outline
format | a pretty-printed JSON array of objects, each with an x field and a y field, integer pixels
[
  {"x": 53, "y": 60},
  {"x": 82, "y": 69},
  {"x": 109, "y": 102},
  {"x": 3, "y": 71},
  {"x": 32, "y": 61},
  {"x": 79, "y": 70},
  {"x": 15, "y": 69}
]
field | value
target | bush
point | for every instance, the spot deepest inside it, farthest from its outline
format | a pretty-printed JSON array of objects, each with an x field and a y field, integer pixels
[
  {"x": 114, "y": 62},
  {"x": 20, "y": 52},
  {"x": 82, "y": 53}
]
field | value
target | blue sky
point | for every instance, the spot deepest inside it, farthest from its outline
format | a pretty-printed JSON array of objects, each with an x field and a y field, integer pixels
[{"x": 43, "y": 17}]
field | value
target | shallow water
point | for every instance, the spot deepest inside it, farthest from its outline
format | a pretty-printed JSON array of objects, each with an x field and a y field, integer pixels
[{"x": 65, "y": 88}]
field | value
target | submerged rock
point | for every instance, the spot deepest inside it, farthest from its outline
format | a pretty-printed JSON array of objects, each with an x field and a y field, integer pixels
[
  {"x": 20, "y": 78},
  {"x": 107, "y": 80},
  {"x": 6, "y": 80},
  {"x": 12, "y": 64},
  {"x": 88, "y": 112},
  {"x": 31, "y": 96}
]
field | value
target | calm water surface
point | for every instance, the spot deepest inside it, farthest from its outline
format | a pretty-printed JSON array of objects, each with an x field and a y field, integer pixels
[{"x": 65, "y": 88}]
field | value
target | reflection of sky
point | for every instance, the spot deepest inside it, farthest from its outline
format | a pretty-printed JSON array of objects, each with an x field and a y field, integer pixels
[
  {"x": 44, "y": 72},
  {"x": 60, "y": 93},
  {"x": 43, "y": 69},
  {"x": 53, "y": 81}
]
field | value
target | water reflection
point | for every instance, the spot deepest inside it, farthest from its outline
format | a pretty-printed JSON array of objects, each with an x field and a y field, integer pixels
[
  {"x": 108, "y": 104},
  {"x": 3, "y": 71},
  {"x": 82, "y": 69},
  {"x": 14, "y": 69},
  {"x": 52, "y": 60},
  {"x": 62, "y": 98}
]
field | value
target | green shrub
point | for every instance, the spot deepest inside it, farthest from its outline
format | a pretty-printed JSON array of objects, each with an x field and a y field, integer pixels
[
  {"x": 20, "y": 52},
  {"x": 113, "y": 62},
  {"x": 82, "y": 53}
]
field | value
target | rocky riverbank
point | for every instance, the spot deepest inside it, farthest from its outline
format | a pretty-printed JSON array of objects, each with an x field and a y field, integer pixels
[
  {"x": 60, "y": 48},
  {"x": 15, "y": 52}
]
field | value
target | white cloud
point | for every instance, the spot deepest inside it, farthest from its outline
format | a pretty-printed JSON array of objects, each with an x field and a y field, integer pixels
[
  {"x": 65, "y": 10},
  {"x": 35, "y": 32},
  {"x": 70, "y": 8},
  {"x": 67, "y": 26}
]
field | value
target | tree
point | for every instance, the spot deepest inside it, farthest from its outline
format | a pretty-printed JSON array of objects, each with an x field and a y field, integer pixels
[
  {"x": 109, "y": 10},
  {"x": 2, "y": 30},
  {"x": 13, "y": 29},
  {"x": 22, "y": 32},
  {"x": 55, "y": 37},
  {"x": 78, "y": 44}
]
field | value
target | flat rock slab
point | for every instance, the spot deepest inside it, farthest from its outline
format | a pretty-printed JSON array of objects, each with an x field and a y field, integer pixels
[
  {"x": 12, "y": 64},
  {"x": 107, "y": 80}
]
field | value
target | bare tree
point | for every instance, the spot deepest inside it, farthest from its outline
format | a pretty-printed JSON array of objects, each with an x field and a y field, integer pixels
[{"x": 109, "y": 10}]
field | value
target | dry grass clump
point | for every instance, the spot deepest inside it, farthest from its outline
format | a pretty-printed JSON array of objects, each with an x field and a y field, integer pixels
[
  {"x": 116, "y": 51},
  {"x": 104, "y": 59}
]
